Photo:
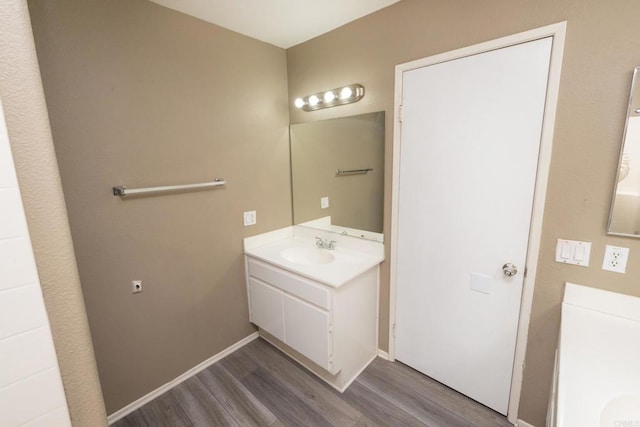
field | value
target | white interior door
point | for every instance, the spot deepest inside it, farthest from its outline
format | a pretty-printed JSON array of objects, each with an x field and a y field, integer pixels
[{"x": 470, "y": 139}]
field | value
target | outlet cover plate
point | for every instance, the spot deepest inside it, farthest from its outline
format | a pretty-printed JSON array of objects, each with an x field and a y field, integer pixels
[
  {"x": 615, "y": 259},
  {"x": 136, "y": 286}
]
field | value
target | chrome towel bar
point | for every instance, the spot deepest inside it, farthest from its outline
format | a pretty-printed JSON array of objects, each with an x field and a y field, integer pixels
[
  {"x": 340, "y": 172},
  {"x": 124, "y": 191}
]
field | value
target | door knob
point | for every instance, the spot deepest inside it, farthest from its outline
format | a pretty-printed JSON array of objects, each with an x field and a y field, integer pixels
[{"x": 509, "y": 269}]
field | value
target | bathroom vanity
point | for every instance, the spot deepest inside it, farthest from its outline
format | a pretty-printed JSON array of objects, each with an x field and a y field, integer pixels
[{"x": 319, "y": 306}]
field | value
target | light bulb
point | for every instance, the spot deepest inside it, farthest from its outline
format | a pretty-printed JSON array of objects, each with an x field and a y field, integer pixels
[
  {"x": 329, "y": 96},
  {"x": 345, "y": 93},
  {"x": 313, "y": 100},
  {"x": 299, "y": 102}
]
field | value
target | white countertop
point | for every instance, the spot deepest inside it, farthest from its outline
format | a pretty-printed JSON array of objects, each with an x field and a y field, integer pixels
[
  {"x": 598, "y": 356},
  {"x": 351, "y": 258}
]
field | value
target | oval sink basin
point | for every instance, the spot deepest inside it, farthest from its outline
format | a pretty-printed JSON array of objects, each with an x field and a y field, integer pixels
[
  {"x": 307, "y": 256},
  {"x": 619, "y": 410}
]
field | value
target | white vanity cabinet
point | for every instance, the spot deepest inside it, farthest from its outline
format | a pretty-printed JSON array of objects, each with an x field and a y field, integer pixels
[
  {"x": 293, "y": 309},
  {"x": 331, "y": 330}
]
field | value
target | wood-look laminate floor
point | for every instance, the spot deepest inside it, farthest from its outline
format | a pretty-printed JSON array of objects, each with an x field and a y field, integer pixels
[{"x": 260, "y": 386}]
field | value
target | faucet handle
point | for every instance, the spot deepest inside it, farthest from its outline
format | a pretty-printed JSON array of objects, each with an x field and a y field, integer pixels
[
  {"x": 319, "y": 242},
  {"x": 332, "y": 244}
]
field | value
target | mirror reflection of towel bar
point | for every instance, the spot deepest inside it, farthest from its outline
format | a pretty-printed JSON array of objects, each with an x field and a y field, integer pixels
[
  {"x": 340, "y": 172},
  {"x": 124, "y": 191}
]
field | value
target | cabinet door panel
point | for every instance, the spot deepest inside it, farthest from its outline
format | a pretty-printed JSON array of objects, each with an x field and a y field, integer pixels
[
  {"x": 290, "y": 283},
  {"x": 307, "y": 331},
  {"x": 266, "y": 308}
]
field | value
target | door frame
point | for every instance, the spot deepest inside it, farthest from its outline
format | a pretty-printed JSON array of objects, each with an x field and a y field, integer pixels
[{"x": 557, "y": 31}]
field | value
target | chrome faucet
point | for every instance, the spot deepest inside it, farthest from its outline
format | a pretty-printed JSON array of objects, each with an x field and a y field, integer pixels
[{"x": 325, "y": 244}]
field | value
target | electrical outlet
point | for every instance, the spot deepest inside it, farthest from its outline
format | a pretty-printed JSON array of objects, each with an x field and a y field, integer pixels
[
  {"x": 615, "y": 259},
  {"x": 136, "y": 286},
  {"x": 249, "y": 218}
]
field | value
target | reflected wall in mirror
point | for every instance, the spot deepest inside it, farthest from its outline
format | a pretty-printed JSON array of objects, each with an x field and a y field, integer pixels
[
  {"x": 624, "y": 219},
  {"x": 354, "y": 146}
]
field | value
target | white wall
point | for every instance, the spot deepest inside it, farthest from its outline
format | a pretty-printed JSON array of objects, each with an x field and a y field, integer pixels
[{"x": 31, "y": 390}]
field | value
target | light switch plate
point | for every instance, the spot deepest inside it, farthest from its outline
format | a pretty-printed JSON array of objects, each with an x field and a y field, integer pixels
[
  {"x": 324, "y": 202},
  {"x": 249, "y": 218},
  {"x": 573, "y": 252}
]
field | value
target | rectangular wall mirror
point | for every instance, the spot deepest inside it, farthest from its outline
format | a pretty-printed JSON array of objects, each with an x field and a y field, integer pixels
[
  {"x": 337, "y": 172},
  {"x": 624, "y": 219}
]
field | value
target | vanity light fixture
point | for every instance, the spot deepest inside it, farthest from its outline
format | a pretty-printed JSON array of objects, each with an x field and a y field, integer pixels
[{"x": 331, "y": 98}]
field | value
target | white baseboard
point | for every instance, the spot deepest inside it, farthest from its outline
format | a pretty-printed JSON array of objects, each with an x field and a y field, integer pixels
[
  {"x": 521, "y": 423},
  {"x": 121, "y": 413},
  {"x": 383, "y": 354}
]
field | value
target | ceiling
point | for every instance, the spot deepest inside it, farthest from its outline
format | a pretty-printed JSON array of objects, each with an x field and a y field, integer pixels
[{"x": 283, "y": 23}]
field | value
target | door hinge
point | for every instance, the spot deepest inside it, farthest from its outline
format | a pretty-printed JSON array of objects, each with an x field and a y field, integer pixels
[
  {"x": 525, "y": 271},
  {"x": 400, "y": 113},
  {"x": 393, "y": 331}
]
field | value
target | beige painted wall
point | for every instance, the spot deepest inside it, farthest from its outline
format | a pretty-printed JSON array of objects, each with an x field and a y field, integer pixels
[
  {"x": 602, "y": 48},
  {"x": 318, "y": 149},
  {"x": 141, "y": 95},
  {"x": 32, "y": 147}
]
